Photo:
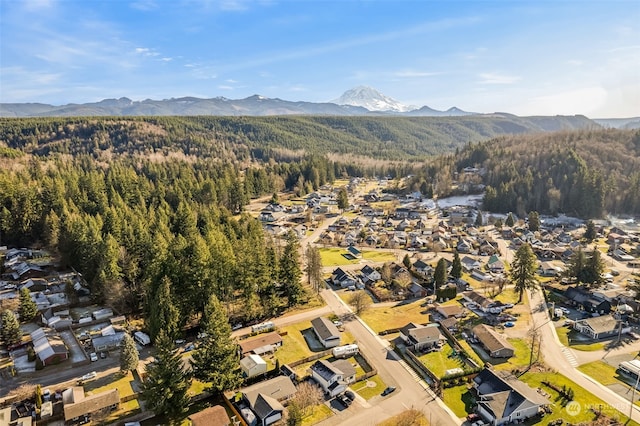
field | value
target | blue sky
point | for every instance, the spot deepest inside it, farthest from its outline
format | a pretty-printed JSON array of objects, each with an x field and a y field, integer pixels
[{"x": 538, "y": 57}]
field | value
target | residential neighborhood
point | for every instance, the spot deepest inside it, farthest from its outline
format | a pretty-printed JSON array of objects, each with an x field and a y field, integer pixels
[{"x": 470, "y": 347}]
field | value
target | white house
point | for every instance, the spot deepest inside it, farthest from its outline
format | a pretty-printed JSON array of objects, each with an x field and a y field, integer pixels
[
  {"x": 333, "y": 377},
  {"x": 326, "y": 331},
  {"x": 503, "y": 399},
  {"x": 253, "y": 365}
]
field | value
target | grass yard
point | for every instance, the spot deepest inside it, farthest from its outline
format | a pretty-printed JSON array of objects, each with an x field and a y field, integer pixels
[
  {"x": 369, "y": 388},
  {"x": 520, "y": 358},
  {"x": 469, "y": 350},
  {"x": 439, "y": 362},
  {"x": 459, "y": 399},
  {"x": 581, "y": 396},
  {"x": 601, "y": 371},
  {"x": 334, "y": 256},
  {"x": 320, "y": 412},
  {"x": 294, "y": 346},
  {"x": 565, "y": 333},
  {"x": 397, "y": 316}
]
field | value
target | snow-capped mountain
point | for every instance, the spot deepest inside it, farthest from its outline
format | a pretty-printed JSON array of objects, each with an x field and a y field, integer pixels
[{"x": 371, "y": 99}]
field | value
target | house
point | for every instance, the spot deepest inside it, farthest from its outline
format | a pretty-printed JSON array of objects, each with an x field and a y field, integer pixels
[
  {"x": 422, "y": 267},
  {"x": 76, "y": 404},
  {"x": 353, "y": 251},
  {"x": 479, "y": 275},
  {"x": 469, "y": 263},
  {"x": 348, "y": 370},
  {"x": 420, "y": 337},
  {"x": 261, "y": 344},
  {"x": 580, "y": 296},
  {"x": 493, "y": 342},
  {"x": 253, "y": 365},
  {"x": 343, "y": 279},
  {"x": 265, "y": 399},
  {"x": 329, "y": 377},
  {"x": 416, "y": 290},
  {"x": 369, "y": 274},
  {"x": 212, "y": 416},
  {"x": 450, "y": 324},
  {"x": 107, "y": 342},
  {"x": 49, "y": 349},
  {"x": 455, "y": 311},
  {"x": 326, "y": 331},
  {"x": 548, "y": 269},
  {"x": 601, "y": 327},
  {"x": 270, "y": 216},
  {"x": 503, "y": 399},
  {"x": 494, "y": 264},
  {"x": 464, "y": 246}
]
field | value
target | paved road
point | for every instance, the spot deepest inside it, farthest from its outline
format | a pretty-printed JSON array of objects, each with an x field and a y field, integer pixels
[
  {"x": 561, "y": 359},
  {"x": 412, "y": 392}
]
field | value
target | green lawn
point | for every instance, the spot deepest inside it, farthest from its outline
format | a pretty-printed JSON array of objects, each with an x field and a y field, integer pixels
[
  {"x": 320, "y": 412},
  {"x": 334, "y": 256},
  {"x": 397, "y": 316},
  {"x": 601, "y": 371},
  {"x": 565, "y": 333},
  {"x": 581, "y": 396},
  {"x": 440, "y": 361},
  {"x": 294, "y": 347},
  {"x": 366, "y": 391},
  {"x": 469, "y": 350},
  {"x": 459, "y": 399},
  {"x": 521, "y": 357}
]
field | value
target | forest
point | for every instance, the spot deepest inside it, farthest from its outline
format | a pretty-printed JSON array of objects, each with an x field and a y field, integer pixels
[{"x": 150, "y": 210}]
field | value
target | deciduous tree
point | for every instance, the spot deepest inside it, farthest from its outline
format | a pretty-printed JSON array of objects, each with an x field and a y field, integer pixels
[{"x": 360, "y": 301}]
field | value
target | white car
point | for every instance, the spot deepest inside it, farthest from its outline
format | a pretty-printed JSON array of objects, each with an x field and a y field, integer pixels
[
  {"x": 88, "y": 376},
  {"x": 93, "y": 356}
]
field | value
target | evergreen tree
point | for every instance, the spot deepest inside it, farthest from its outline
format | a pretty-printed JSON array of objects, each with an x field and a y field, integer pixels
[
  {"x": 577, "y": 265},
  {"x": 167, "y": 382},
  {"x": 440, "y": 274},
  {"x": 10, "y": 328},
  {"x": 129, "y": 356},
  {"x": 290, "y": 272},
  {"x": 28, "y": 308},
  {"x": 456, "y": 266},
  {"x": 163, "y": 314},
  {"x": 523, "y": 270},
  {"x": 594, "y": 268},
  {"x": 510, "y": 221},
  {"x": 498, "y": 223},
  {"x": 406, "y": 261},
  {"x": 590, "y": 233},
  {"x": 314, "y": 267},
  {"x": 216, "y": 360},
  {"x": 479, "y": 219},
  {"x": 343, "y": 199},
  {"x": 534, "y": 221}
]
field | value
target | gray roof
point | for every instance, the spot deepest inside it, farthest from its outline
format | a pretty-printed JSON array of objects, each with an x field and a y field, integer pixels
[
  {"x": 325, "y": 369},
  {"x": 490, "y": 339},
  {"x": 345, "y": 366},
  {"x": 324, "y": 328},
  {"x": 279, "y": 388}
]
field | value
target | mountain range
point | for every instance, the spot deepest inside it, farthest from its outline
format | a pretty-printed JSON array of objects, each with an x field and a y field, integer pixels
[{"x": 359, "y": 101}]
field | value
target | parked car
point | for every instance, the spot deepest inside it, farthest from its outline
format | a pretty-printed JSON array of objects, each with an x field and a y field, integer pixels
[
  {"x": 103, "y": 355},
  {"x": 350, "y": 395},
  {"x": 189, "y": 347},
  {"x": 343, "y": 400},
  {"x": 473, "y": 417},
  {"x": 388, "y": 390},
  {"x": 93, "y": 356},
  {"x": 509, "y": 324},
  {"x": 88, "y": 376}
]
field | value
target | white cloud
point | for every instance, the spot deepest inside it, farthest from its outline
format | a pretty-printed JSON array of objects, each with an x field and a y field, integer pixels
[
  {"x": 495, "y": 78},
  {"x": 414, "y": 74},
  {"x": 225, "y": 87},
  {"x": 144, "y": 5},
  {"x": 145, "y": 51},
  {"x": 578, "y": 101}
]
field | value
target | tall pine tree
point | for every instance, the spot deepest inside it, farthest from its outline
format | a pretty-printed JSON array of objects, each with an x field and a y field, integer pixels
[
  {"x": 216, "y": 360},
  {"x": 129, "y": 356},
  {"x": 523, "y": 270},
  {"x": 10, "y": 328},
  {"x": 167, "y": 382},
  {"x": 290, "y": 272},
  {"x": 28, "y": 308}
]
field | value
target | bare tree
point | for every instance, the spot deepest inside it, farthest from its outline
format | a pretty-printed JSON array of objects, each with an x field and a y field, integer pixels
[
  {"x": 360, "y": 301},
  {"x": 307, "y": 396},
  {"x": 25, "y": 391}
]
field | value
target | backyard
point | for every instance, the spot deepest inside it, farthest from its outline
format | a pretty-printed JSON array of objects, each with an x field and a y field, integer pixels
[
  {"x": 125, "y": 389},
  {"x": 459, "y": 399},
  {"x": 438, "y": 362},
  {"x": 396, "y": 316},
  {"x": 369, "y": 388},
  {"x": 332, "y": 256}
]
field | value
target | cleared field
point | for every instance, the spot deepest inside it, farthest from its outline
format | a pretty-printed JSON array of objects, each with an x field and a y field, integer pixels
[{"x": 397, "y": 316}]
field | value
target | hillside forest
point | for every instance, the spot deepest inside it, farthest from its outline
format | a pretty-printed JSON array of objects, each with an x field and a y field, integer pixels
[{"x": 150, "y": 210}]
